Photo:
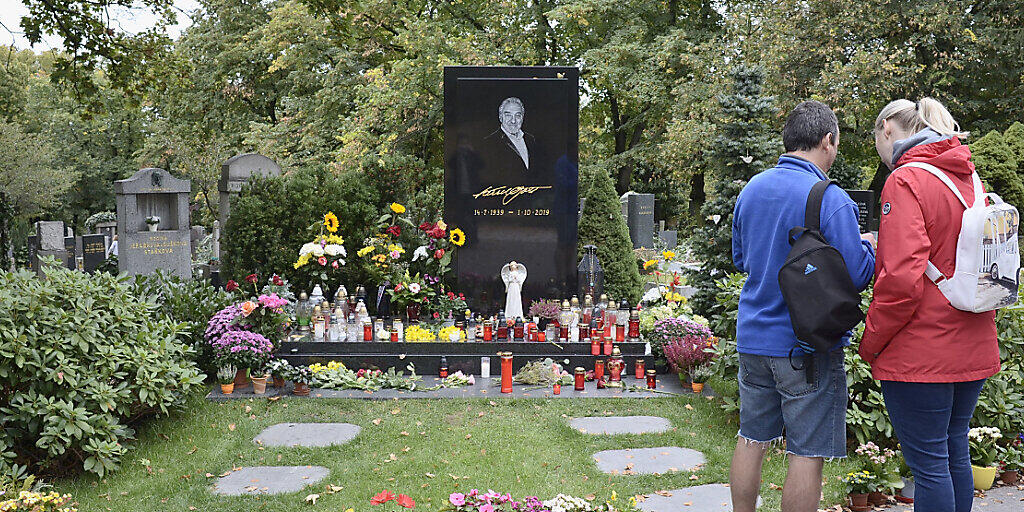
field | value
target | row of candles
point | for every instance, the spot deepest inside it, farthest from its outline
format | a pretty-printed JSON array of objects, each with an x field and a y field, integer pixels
[{"x": 615, "y": 367}]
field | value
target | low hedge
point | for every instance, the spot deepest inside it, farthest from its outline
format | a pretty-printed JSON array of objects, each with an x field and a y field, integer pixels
[{"x": 82, "y": 360}]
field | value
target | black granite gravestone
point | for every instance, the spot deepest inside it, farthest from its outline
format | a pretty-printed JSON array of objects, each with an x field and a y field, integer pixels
[
  {"x": 69, "y": 251},
  {"x": 865, "y": 200},
  {"x": 94, "y": 252},
  {"x": 511, "y": 178},
  {"x": 640, "y": 220},
  {"x": 33, "y": 246}
]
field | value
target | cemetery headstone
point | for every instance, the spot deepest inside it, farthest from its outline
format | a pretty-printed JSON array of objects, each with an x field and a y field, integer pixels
[
  {"x": 69, "y": 253},
  {"x": 50, "y": 242},
  {"x": 640, "y": 219},
  {"x": 94, "y": 252},
  {"x": 865, "y": 200},
  {"x": 33, "y": 246},
  {"x": 236, "y": 172},
  {"x": 153, "y": 192},
  {"x": 512, "y": 177}
]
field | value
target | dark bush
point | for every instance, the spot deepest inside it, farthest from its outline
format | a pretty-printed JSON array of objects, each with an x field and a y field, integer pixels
[{"x": 82, "y": 360}]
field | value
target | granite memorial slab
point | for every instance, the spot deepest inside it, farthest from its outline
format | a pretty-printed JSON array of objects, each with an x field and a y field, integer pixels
[
  {"x": 648, "y": 461},
  {"x": 153, "y": 192},
  {"x": 235, "y": 172},
  {"x": 269, "y": 480},
  {"x": 511, "y": 178},
  {"x": 703, "y": 498},
  {"x": 640, "y": 220},
  {"x": 865, "y": 200},
  {"x": 307, "y": 434},
  {"x": 49, "y": 243},
  {"x": 69, "y": 253}
]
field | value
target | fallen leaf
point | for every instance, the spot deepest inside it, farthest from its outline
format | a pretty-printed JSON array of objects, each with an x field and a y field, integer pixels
[
  {"x": 231, "y": 427},
  {"x": 663, "y": 493},
  {"x": 395, "y": 411},
  {"x": 274, "y": 398},
  {"x": 404, "y": 433},
  {"x": 248, "y": 409},
  {"x": 429, "y": 475},
  {"x": 376, "y": 421},
  {"x": 694, "y": 477},
  {"x": 311, "y": 499},
  {"x": 469, "y": 436},
  {"x": 210, "y": 475},
  {"x": 687, "y": 503},
  {"x": 688, "y": 407},
  {"x": 226, "y": 473},
  {"x": 193, "y": 450},
  {"x": 406, "y": 449}
]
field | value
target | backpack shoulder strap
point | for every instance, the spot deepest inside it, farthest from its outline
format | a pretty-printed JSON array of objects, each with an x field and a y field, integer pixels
[
  {"x": 812, "y": 212},
  {"x": 948, "y": 182}
]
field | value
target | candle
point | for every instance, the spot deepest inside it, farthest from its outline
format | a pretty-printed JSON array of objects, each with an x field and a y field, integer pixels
[
  {"x": 639, "y": 369},
  {"x": 580, "y": 377},
  {"x": 595, "y": 346},
  {"x": 394, "y": 335},
  {"x": 541, "y": 336},
  {"x": 607, "y": 346},
  {"x": 599, "y": 369},
  {"x": 485, "y": 367},
  {"x": 556, "y": 389},
  {"x": 584, "y": 332},
  {"x": 620, "y": 333},
  {"x": 634, "y": 324},
  {"x": 443, "y": 372},
  {"x": 488, "y": 330},
  {"x": 367, "y": 331},
  {"x": 506, "y": 371},
  {"x": 652, "y": 382}
]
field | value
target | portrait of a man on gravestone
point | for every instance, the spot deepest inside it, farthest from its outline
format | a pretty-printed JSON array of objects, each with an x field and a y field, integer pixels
[{"x": 509, "y": 142}]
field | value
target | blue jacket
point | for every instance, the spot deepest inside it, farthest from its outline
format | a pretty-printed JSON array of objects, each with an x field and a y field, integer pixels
[{"x": 768, "y": 207}]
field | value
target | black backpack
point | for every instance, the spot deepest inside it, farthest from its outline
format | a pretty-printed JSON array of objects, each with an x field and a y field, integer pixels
[{"x": 822, "y": 300}]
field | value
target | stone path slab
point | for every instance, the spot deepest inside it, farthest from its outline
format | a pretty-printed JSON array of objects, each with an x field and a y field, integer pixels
[
  {"x": 307, "y": 434},
  {"x": 648, "y": 461},
  {"x": 607, "y": 425},
  {"x": 269, "y": 480},
  {"x": 701, "y": 498}
]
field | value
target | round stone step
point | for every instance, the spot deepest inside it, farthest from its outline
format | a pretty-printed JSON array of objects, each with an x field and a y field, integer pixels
[
  {"x": 269, "y": 480},
  {"x": 307, "y": 434},
  {"x": 606, "y": 425},
  {"x": 702, "y": 498},
  {"x": 648, "y": 461}
]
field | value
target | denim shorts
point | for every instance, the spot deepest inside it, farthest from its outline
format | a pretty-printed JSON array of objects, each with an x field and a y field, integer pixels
[{"x": 776, "y": 399}]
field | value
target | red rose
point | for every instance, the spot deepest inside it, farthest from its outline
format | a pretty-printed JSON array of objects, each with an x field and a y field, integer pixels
[
  {"x": 406, "y": 501},
  {"x": 451, "y": 296},
  {"x": 231, "y": 286},
  {"x": 436, "y": 315},
  {"x": 251, "y": 278},
  {"x": 394, "y": 230},
  {"x": 426, "y": 226},
  {"x": 437, "y": 233},
  {"x": 334, "y": 264},
  {"x": 439, "y": 253},
  {"x": 322, "y": 261},
  {"x": 461, "y": 296},
  {"x": 277, "y": 280},
  {"x": 383, "y": 497}
]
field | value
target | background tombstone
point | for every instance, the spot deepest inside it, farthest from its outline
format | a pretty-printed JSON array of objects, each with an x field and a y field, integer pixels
[
  {"x": 33, "y": 245},
  {"x": 669, "y": 237},
  {"x": 865, "y": 200},
  {"x": 140, "y": 251},
  {"x": 50, "y": 242},
  {"x": 236, "y": 172},
  {"x": 70, "y": 253},
  {"x": 640, "y": 219},
  {"x": 94, "y": 251}
]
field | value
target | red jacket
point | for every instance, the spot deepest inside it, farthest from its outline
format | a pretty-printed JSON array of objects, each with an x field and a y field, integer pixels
[{"x": 913, "y": 334}]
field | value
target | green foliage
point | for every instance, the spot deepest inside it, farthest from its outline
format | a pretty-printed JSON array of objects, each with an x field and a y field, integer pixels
[
  {"x": 83, "y": 360},
  {"x": 1001, "y": 403},
  {"x": 726, "y": 364},
  {"x": 272, "y": 218},
  {"x": 849, "y": 176},
  {"x": 187, "y": 302},
  {"x": 1014, "y": 137},
  {"x": 603, "y": 225},
  {"x": 997, "y": 166},
  {"x": 97, "y": 218},
  {"x": 744, "y": 145}
]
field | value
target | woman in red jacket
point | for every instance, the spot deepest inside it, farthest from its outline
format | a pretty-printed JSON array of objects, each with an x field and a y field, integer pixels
[{"x": 931, "y": 358}]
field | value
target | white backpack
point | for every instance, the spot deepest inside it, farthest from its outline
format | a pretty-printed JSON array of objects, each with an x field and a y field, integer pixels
[{"x": 987, "y": 254}]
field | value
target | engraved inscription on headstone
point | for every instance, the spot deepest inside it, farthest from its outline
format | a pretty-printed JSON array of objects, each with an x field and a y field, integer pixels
[
  {"x": 94, "y": 252},
  {"x": 640, "y": 220},
  {"x": 69, "y": 252},
  {"x": 153, "y": 192},
  {"x": 865, "y": 200},
  {"x": 234, "y": 174}
]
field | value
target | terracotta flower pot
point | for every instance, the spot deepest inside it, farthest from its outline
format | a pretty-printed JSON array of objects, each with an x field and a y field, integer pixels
[
  {"x": 278, "y": 381},
  {"x": 983, "y": 477},
  {"x": 877, "y": 498},
  {"x": 227, "y": 389},
  {"x": 697, "y": 387},
  {"x": 1010, "y": 477},
  {"x": 906, "y": 494},
  {"x": 241, "y": 378},
  {"x": 259, "y": 385},
  {"x": 859, "y": 502},
  {"x": 301, "y": 389}
]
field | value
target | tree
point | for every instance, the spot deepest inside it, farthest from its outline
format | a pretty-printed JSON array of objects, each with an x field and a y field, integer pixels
[
  {"x": 1014, "y": 137},
  {"x": 997, "y": 166},
  {"x": 603, "y": 225},
  {"x": 744, "y": 145}
]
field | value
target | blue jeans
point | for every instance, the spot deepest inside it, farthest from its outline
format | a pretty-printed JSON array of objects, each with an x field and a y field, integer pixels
[{"x": 931, "y": 421}]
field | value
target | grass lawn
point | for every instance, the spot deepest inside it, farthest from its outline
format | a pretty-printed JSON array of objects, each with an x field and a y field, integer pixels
[{"x": 424, "y": 448}]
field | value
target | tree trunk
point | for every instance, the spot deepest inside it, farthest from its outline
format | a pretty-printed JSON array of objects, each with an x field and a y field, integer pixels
[{"x": 697, "y": 197}]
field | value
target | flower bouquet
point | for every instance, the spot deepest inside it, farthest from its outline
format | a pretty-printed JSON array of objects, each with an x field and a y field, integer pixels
[
  {"x": 152, "y": 222},
  {"x": 410, "y": 290},
  {"x": 324, "y": 256},
  {"x": 880, "y": 462},
  {"x": 446, "y": 303},
  {"x": 243, "y": 349},
  {"x": 983, "y": 445},
  {"x": 437, "y": 246}
]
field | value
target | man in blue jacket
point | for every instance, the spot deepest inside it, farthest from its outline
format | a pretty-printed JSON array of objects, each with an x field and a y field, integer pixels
[{"x": 776, "y": 399}]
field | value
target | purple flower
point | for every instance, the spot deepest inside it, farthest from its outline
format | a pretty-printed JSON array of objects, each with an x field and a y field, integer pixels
[
  {"x": 272, "y": 301},
  {"x": 457, "y": 498}
]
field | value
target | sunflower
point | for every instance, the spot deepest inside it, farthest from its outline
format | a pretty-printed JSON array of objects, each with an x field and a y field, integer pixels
[
  {"x": 331, "y": 222},
  {"x": 397, "y": 208},
  {"x": 668, "y": 255},
  {"x": 650, "y": 263},
  {"x": 457, "y": 237}
]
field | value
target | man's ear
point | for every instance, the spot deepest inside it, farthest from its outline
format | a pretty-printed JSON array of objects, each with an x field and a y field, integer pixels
[{"x": 826, "y": 142}]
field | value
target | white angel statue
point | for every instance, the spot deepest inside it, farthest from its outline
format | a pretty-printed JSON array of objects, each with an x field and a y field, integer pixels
[{"x": 514, "y": 274}]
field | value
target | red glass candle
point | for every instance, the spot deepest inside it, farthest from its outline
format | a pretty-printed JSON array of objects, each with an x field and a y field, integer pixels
[
  {"x": 652, "y": 382},
  {"x": 488, "y": 331},
  {"x": 541, "y": 336},
  {"x": 518, "y": 330},
  {"x": 634, "y": 328},
  {"x": 502, "y": 330},
  {"x": 556, "y": 389},
  {"x": 506, "y": 371},
  {"x": 639, "y": 369},
  {"x": 600, "y": 328},
  {"x": 599, "y": 369},
  {"x": 595, "y": 346},
  {"x": 563, "y": 333},
  {"x": 620, "y": 333},
  {"x": 367, "y": 331},
  {"x": 615, "y": 368},
  {"x": 394, "y": 335},
  {"x": 580, "y": 378},
  {"x": 584, "y": 332},
  {"x": 607, "y": 346}
]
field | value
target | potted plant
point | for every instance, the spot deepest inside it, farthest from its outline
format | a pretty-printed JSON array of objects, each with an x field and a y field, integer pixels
[
  {"x": 226, "y": 377},
  {"x": 279, "y": 369},
  {"x": 546, "y": 311},
  {"x": 698, "y": 376},
  {"x": 858, "y": 485},
  {"x": 983, "y": 455},
  {"x": 686, "y": 344},
  {"x": 410, "y": 293},
  {"x": 905, "y": 494},
  {"x": 152, "y": 222},
  {"x": 1012, "y": 461},
  {"x": 259, "y": 380},
  {"x": 301, "y": 376},
  {"x": 879, "y": 463}
]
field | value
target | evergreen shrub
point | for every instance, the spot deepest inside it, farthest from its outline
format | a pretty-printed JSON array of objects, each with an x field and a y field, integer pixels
[
  {"x": 603, "y": 225},
  {"x": 997, "y": 167}
]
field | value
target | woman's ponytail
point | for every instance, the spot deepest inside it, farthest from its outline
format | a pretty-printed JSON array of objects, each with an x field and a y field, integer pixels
[{"x": 914, "y": 117}]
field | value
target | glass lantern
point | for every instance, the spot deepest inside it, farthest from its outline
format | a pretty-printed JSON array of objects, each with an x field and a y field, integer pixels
[{"x": 591, "y": 275}]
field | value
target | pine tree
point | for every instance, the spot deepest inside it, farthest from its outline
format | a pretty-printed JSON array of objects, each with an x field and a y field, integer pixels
[
  {"x": 997, "y": 166},
  {"x": 744, "y": 145},
  {"x": 603, "y": 225}
]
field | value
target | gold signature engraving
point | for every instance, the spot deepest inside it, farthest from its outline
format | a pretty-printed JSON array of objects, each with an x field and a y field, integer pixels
[{"x": 508, "y": 193}]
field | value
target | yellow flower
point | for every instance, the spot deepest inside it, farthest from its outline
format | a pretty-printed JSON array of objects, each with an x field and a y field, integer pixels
[
  {"x": 334, "y": 239},
  {"x": 397, "y": 208},
  {"x": 457, "y": 237},
  {"x": 445, "y": 334},
  {"x": 442, "y": 225},
  {"x": 331, "y": 222},
  {"x": 365, "y": 250},
  {"x": 650, "y": 263},
  {"x": 395, "y": 247},
  {"x": 668, "y": 255}
]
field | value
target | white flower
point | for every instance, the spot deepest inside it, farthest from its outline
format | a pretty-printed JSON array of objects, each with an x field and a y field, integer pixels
[
  {"x": 652, "y": 295},
  {"x": 420, "y": 252},
  {"x": 307, "y": 248},
  {"x": 318, "y": 250},
  {"x": 414, "y": 288},
  {"x": 335, "y": 250}
]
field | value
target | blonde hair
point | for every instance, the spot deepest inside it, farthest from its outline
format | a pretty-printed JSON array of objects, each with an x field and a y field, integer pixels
[{"x": 914, "y": 117}]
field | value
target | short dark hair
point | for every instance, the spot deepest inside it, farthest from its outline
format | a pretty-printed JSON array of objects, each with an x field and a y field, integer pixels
[{"x": 807, "y": 124}]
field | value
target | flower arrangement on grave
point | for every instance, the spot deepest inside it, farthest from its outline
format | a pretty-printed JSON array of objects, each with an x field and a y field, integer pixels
[
  {"x": 263, "y": 314},
  {"x": 410, "y": 290},
  {"x": 336, "y": 376},
  {"x": 491, "y": 501},
  {"x": 1011, "y": 459},
  {"x": 547, "y": 309},
  {"x": 883, "y": 464},
  {"x": 445, "y": 303},
  {"x": 279, "y": 369},
  {"x": 280, "y": 286},
  {"x": 152, "y": 220},
  {"x": 417, "y": 333},
  {"x": 984, "y": 450},
  {"x": 458, "y": 379},
  {"x": 859, "y": 482},
  {"x": 541, "y": 372},
  {"x": 451, "y": 333},
  {"x": 243, "y": 349},
  {"x": 436, "y": 246},
  {"x": 685, "y": 343},
  {"x": 323, "y": 256}
]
